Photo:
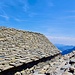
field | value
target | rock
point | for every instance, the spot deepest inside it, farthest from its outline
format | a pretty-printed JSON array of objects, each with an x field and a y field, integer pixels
[
  {"x": 72, "y": 60},
  {"x": 67, "y": 73},
  {"x": 23, "y": 72},
  {"x": 65, "y": 67},
  {"x": 72, "y": 68},
  {"x": 74, "y": 72},
  {"x": 36, "y": 73},
  {"x": 22, "y": 61},
  {"x": 15, "y": 64},
  {"x": 17, "y": 73},
  {"x": 44, "y": 69},
  {"x": 7, "y": 67}
]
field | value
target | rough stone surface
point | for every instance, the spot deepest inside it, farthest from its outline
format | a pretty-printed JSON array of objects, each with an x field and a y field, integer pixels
[
  {"x": 58, "y": 65},
  {"x": 18, "y": 47},
  {"x": 34, "y": 52},
  {"x": 17, "y": 73}
]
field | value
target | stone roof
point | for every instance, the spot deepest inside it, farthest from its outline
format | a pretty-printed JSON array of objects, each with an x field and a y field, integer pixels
[{"x": 18, "y": 47}]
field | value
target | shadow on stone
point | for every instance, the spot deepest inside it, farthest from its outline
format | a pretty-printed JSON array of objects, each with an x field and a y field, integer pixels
[{"x": 25, "y": 66}]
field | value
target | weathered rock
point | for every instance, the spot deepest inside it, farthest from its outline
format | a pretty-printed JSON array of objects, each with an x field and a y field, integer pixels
[
  {"x": 17, "y": 73},
  {"x": 44, "y": 69},
  {"x": 72, "y": 60},
  {"x": 36, "y": 73},
  {"x": 23, "y": 72},
  {"x": 67, "y": 73},
  {"x": 18, "y": 47}
]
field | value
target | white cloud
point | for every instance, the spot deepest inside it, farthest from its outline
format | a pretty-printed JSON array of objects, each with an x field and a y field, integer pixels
[
  {"x": 25, "y": 5},
  {"x": 62, "y": 40},
  {"x": 26, "y": 8},
  {"x": 4, "y": 16},
  {"x": 19, "y": 20},
  {"x": 22, "y": 20}
]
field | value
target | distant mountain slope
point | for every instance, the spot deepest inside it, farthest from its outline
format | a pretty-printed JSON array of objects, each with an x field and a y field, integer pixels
[
  {"x": 65, "y": 48},
  {"x": 68, "y": 51}
]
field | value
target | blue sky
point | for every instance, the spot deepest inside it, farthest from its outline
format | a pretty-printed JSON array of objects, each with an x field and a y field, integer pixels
[{"x": 53, "y": 18}]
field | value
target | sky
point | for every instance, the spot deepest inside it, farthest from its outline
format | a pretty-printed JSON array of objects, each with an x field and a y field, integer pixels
[{"x": 53, "y": 18}]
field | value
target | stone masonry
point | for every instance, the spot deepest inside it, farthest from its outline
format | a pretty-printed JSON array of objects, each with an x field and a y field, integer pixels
[{"x": 19, "y": 47}]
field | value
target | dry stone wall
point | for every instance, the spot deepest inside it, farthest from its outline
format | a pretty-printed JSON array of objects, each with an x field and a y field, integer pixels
[{"x": 19, "y": 48}]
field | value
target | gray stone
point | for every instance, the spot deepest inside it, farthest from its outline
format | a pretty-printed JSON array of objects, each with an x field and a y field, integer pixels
[
  {"x": 17, "y": 73},
  {"x": 72, "y": 60},
  {"x": 23, "y": 72}
]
